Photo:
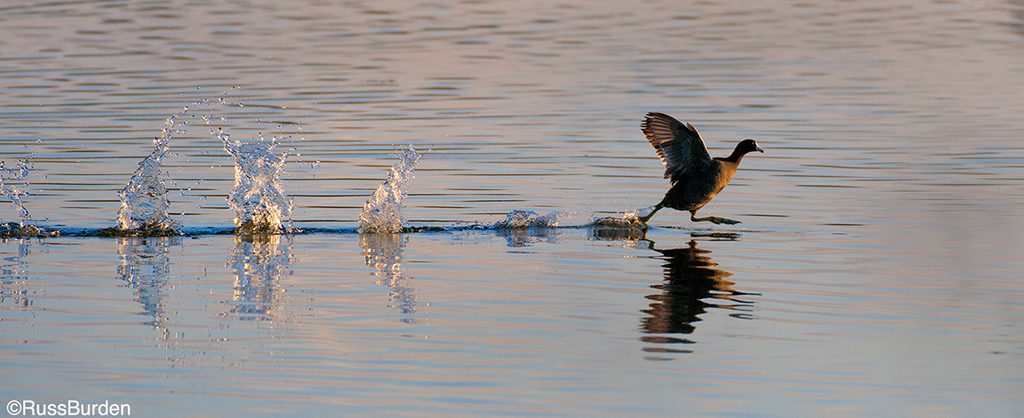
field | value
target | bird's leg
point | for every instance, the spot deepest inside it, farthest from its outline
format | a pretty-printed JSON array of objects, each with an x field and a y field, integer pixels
[
  {"x": 649, "y": 215},
  {"x": 713, "y": 219}
]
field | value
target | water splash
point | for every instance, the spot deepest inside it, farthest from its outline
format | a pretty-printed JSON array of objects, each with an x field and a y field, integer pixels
[
  {"x": 16, "y": 195},
  {"x": 383, "y": 252},
  {"x": 520, "y": 218},
  {"x": 382, "y": 212},
  {"x": 144, "y": 202},
  {"x": 258, "y": 199},
  {"x": 258, "y": 263},
  {"x": 630, "y": 219}
]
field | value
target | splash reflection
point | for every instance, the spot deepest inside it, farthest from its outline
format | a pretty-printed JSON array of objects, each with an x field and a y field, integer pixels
[
  {"x": 525, "y": 237},
  {"x": 258, "y": 263},
  {"x": 383, "y": 252},
  {"x": 615, "y": 233},
  {"x": 145, "y": 267},
  {"x": 14, "y": 276},
  {"x": 692, "y": 285}
]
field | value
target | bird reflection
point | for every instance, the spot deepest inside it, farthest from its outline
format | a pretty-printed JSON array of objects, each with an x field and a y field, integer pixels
[
  {"x": 258, "y": 263},
  {"x": 692, "y": 285},
  {"x": 14, "y": 275},
  {"x": 145, "y": 267},
  {"x": 383, "y": 252},
  {"x": 1017, "y": 11}
]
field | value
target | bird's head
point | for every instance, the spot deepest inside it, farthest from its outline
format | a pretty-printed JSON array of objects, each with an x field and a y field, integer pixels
[{"x": 747, "y": 145}]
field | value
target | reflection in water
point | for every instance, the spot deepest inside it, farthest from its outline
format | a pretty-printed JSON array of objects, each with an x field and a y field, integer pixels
[
  {"x": 383, "y": 252},
  {"x": 525, "y": 237},
  {"x": 692, "y": 284},
  {"x": 1017, "y": 11},
  {"x": 258, "y": 262},
  {"x": 617, "y": 233},
  {"x": 145, "y": 267},
  {"x": 14, "y": 276}
]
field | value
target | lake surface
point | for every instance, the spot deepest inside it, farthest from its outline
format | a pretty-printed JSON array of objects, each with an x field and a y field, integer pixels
[{"x": 877, "y": 271}]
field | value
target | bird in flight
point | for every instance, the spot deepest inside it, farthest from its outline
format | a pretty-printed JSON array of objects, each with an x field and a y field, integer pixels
[{"x": 696, "y": 177}]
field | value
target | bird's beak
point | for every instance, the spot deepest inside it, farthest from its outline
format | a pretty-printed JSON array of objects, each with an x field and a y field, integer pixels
[{"x": 759, "y": 149}]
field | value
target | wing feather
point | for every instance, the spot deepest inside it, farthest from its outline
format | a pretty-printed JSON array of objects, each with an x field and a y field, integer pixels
[{"x": 678, "y": 145}]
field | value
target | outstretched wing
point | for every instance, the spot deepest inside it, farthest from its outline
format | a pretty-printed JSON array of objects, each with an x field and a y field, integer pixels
[{"x": 678, "y": 145}]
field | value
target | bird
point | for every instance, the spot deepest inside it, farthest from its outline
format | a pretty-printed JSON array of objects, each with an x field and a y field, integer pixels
[{"x": 696, "y": 177}]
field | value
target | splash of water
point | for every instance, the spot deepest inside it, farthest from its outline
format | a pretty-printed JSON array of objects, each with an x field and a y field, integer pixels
[
  {"x": 16, "y": 195},
  {"x": 520, "y": 218},
  {"x": 383, "y": 252},
  {"x": 144, "y": 202},
  {"x": 382, "y": 212},
  {"x": 258, "y": 199},
  {"x": 629, "y": 219}
]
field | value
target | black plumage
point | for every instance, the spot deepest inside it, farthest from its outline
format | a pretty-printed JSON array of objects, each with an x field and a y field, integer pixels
[{"x": 696, "y": 177}]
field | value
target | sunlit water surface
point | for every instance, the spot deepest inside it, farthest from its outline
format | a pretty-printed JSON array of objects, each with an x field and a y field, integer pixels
[{"x": 877, "y": 271}]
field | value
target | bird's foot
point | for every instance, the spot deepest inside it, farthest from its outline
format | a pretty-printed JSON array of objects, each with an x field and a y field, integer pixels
[
  {"x": 648, "y": 217},
  {"x": 727, "y": 221},
  {"x": 716, "y": 220}
]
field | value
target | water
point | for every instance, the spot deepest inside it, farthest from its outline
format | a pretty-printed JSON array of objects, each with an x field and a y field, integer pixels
[
  {"x": 383, "y": 252},
  {"x": 876, "y": 271},
  {"x": 258, "y": 198},
  {"x": 382, "y": 212},
  {"x": 521, "y": 218},
  {"x": 13, "y": 187},
  {"x": 631, "y": 219},
  {"x": 145, "y": 204},
  {"x": 145, "y": 268},
  {"x": 13, "y": 193},
  {"x": 258, "y": 264}
]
